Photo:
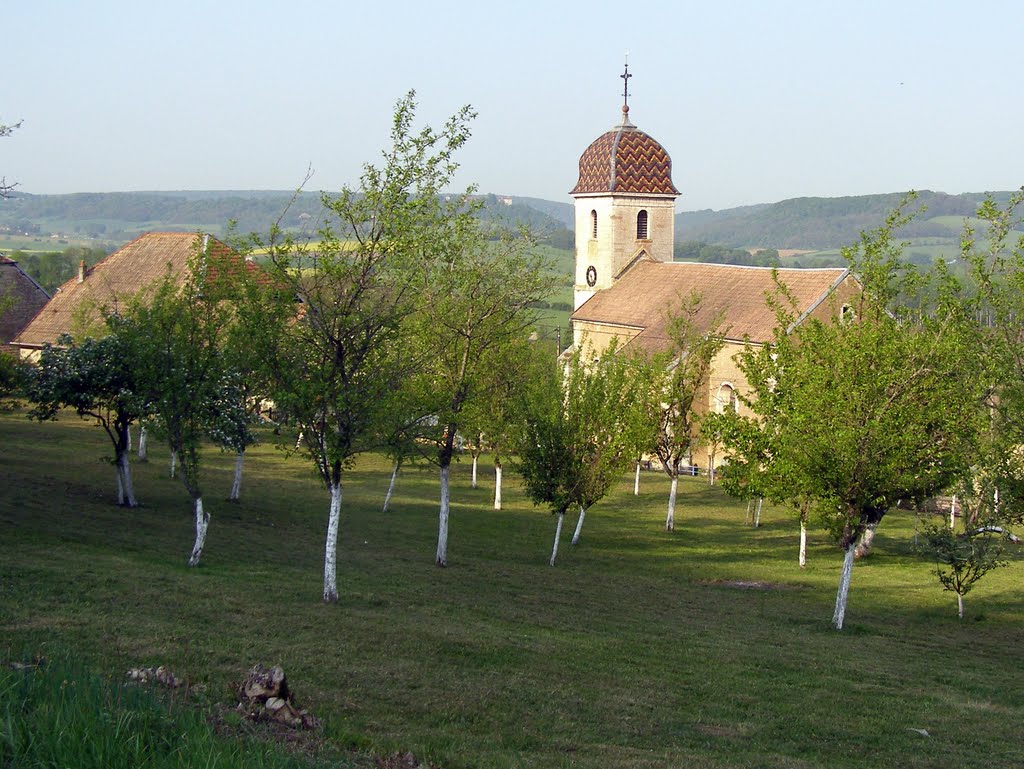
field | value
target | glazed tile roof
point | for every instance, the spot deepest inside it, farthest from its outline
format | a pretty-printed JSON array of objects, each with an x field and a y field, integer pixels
[
  {"x": 116, "y": 279},
  {"x": 625, "y": 160},
  {"x": 645, "y": 295}
]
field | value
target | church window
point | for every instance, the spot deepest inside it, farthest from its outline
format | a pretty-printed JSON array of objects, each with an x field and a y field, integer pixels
[
  {"x": 728, "y": 399},
  {"x": 641, "y": 226},
  {"x": 593, "y": 225},
  {"x": 846, "y": 314}
]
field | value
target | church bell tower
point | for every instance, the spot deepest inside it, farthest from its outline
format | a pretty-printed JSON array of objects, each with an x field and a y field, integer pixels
[{"x": 625, "y": 205}]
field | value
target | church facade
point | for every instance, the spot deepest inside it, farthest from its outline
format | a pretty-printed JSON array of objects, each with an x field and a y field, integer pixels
[{"x": 627, "y": 285}]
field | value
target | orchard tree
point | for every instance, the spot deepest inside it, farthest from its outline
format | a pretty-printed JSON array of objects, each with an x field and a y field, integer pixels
[
  {"x": 335, "y": 356},
  {"x": 678, "y": 380},
  {"x": 873, "y": 410},
  {"x": 996, "y": 262},
  {"x": 100, "y": 380},
  {"x": 474, "y": 312},
  {"x": 573, "y": 439},
  {"x": 178, "y": 334}
]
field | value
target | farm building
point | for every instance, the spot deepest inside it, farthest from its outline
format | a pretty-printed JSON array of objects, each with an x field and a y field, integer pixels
[
  {"x": 20, "y": 299},
  {"x": 626, "y": 284},
  {"x": 77, "y": 307}
]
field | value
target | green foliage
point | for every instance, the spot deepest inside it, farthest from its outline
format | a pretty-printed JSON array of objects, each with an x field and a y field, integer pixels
[
  {"x": 52, "y": 269},
  {"x": 850, "y": 407},
  {"x": 472, "y": 319},
  {"x": 98, "y": 378},
  {"x": 963, "y": 559},
  {"x": 997, "y": 274},
  {"x": 575, "y": 437},
  {"x": 336, "y": 369},
  {"x": 176, "y": 337},
  {"x": 678, "y": 378},
  {"x": 14, "y": 379}
]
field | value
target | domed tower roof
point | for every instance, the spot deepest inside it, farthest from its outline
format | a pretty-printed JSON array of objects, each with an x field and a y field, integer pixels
[{"x": 625, "y": 160}]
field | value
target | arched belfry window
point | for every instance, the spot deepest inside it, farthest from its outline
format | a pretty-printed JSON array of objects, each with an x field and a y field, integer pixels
[
  {"x": 641, "y": 226},
  {"x": 593, "y": 225},
  {"x": 728, "y": 399}
]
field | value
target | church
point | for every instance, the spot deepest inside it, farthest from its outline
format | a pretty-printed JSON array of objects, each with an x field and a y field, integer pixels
[{"x": 626, "y": 283}]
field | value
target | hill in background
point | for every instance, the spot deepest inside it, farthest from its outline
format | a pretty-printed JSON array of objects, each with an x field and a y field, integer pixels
[{"x": 818, "y": 225}]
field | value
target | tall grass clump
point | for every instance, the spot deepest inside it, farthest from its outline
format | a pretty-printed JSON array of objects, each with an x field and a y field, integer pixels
[{"x": 60, "y": 715}]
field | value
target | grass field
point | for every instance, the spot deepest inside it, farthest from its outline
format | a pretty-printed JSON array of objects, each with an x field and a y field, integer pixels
[{"x": 639, "y": 649}]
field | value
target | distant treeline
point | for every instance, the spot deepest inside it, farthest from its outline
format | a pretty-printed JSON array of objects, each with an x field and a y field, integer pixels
[
  {"x": 823, "y": 223},
  {"x": 698, "y": 251},
  {"x": 799, "y": 223},
  {"x": 54, "y": 268}
]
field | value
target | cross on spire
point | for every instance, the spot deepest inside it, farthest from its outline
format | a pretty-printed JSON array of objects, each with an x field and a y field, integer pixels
[{"x": 625, "y": 85}]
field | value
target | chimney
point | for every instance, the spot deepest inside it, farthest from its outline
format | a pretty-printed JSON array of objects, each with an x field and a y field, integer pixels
[{"x": 81, "y": 271}]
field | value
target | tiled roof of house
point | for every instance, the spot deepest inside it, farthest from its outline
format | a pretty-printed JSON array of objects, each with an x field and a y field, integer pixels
[
  {"x": 20, "y": 299},
  {"x": 646, "y": 295},
  {"x": 114, "y": 280},
  {"x": 625, "y": 160}
]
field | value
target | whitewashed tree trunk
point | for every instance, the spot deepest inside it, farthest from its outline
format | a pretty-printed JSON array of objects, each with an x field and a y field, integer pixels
[
  {"x": 749, "y": 516},
  {"x": 174, "y": 461},
  {"x": 202, "y": 524},
  {"x": 129, "y": 434},
  {"x": 952, "y": 513},
  {"x": 143, "y": 444},
  {"x": 236, "y": 486},
  {"x": 558, "y": 534},
  {"x": 959, "y": 606},
  {"x": 803, "y": 543},
  {"x": 844, "y": 588},
  {"x": 120, "y": 484},
  {"x": 670, "y": 518},
  {"x": 579, "y": 526},
  {"x": 711, "y": 473},
  {"x": 125, "y": 487},
  {"x": 331, "y": 546},
  {"x": 867, "y": 539},
  {"x": 636, "y": 481},
  {"x": 757, "y": 512},
  {"x": 497, "y": 487},
  {"x": 442, "y": 523},
  {"x": 473, "y": 483},
  {"x": 391, "y": 486}
]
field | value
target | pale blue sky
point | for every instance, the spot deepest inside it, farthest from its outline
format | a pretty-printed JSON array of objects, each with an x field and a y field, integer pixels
[{"x": 755, "y": 101}]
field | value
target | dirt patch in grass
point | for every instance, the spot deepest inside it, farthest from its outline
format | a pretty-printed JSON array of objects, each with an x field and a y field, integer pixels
[{"x": 746, "y": 584}]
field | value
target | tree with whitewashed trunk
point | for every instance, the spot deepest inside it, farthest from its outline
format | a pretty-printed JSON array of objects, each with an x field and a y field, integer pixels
[
  {"x": 97, "y": 378},
  {"x": 474, "y": 314},
  {"x": 676, "y": 381},
  {"x": 572, "y": 441},
  {"x": 178, "y": 333},
  {"x": 231, "y": 421},
  {"x": 756, "y": 470},
  {"x": 494, "y": 412},
  {"x": 995, "y": 258},
  {"x": 878, "y": 408},
  {"x": 333, "y": 328}
]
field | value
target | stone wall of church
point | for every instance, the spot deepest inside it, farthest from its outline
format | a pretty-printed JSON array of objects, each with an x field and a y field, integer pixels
[{"x": 617, "y": 243}]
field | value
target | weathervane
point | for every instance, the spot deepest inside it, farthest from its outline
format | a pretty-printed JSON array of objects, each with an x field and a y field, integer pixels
[{"x": 625, "y": 85}]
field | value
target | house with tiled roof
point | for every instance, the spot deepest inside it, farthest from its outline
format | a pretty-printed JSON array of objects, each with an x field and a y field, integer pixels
[
  {"x": 78, "y": 305},
  {"x": 627, "y": 285},
  {"x": 21, "y": 297}
]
